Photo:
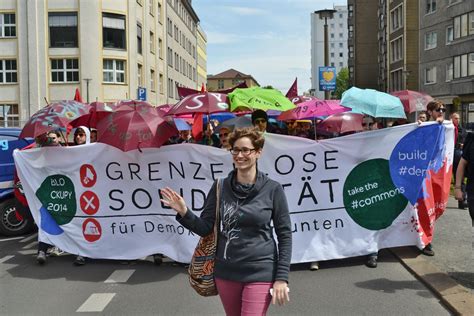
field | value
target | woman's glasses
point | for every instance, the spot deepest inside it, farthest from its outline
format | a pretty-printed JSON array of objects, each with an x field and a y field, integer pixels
[
  {"x": 441, "y": 110},
  {"x": 245, "y": 151},
  {"x": 224, "y": 135}
]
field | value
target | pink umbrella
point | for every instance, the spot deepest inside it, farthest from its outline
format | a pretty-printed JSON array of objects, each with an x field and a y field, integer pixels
[
  {"x": 341, "y": 123},
  {"x": 313, "y": 108},
  {"x": 302, "y": 98},
  {"x": 413, "y": 101},
  {"x": 205, "y": 102}
]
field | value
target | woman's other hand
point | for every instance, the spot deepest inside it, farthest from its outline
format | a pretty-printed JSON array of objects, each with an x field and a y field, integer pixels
[
  {"x": 280, "y": 293},
  {"x": 174, "y": 200}
]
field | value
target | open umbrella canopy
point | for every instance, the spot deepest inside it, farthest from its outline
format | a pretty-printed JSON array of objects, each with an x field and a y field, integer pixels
[
  {"x": 181, "y": 124},
  {"x": 259, "y": 98},
  {"x": 236, "y": 122},
  {"x": 373, "y": 103},
  {"x": 129, "y": 130},
  {"x": 313, "y": 108},
  {"x": 302, "y": 98},
  {"x": 341, "y": 123},
  {"x": 53, "y": 117},
  {"x": 205, "y": 102},
  {"x": 97, "y": 111},
  {"x": 413, "y": 101}
]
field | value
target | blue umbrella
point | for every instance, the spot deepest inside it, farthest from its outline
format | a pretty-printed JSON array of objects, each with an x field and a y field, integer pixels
[
  {"x": 221, "y": 117},
  {"x": 373, "y": 103},
  {"x": 181, "y": 124}
]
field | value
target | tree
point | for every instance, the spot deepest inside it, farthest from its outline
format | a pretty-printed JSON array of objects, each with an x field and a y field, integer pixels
[
  {"x": 268, "y": 87},
  {"x": 342, "y": 83}
]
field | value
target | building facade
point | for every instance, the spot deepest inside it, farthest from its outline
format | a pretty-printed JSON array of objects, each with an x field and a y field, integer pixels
[
  {"x": 446, "y": 40},
  {"x": 363, "y": 45},
  {"x": 337, "y": 40},
  {"x": 106, "y": 48},
  {"x": 402, "y": 45},
  {"x": 229, "y": 79},
  {"x": 201, "y": 57}
]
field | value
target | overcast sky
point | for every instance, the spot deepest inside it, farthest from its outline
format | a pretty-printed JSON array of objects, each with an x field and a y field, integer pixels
[{"x": 268, "y": 39}]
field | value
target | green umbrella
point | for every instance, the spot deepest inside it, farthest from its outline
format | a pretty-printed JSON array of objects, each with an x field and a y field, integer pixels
[{"x": 259, "y": 98}]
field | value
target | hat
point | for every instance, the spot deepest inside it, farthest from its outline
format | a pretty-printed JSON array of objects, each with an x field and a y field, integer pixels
[{"x": 259, "y": 114}]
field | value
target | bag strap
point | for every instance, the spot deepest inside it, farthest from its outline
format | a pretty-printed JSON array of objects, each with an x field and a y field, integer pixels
[{"x": 218, "y": 212}]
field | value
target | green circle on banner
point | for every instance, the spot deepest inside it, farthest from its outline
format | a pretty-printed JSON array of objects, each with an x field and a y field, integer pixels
[
  {"x": 370, "y": 197},
  {"x": 58, "y": 197}
]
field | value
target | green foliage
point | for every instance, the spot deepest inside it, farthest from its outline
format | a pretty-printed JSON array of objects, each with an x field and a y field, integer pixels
[
  {"x": 342, "y": 83},
  {"x": 268, "y": 87}
]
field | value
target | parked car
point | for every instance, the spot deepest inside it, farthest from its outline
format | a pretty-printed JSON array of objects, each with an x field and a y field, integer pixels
[{"x": 12, "y": 223}]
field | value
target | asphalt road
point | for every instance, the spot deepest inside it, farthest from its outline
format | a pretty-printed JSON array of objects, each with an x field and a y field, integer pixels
[{"x": 105, "y": 287}]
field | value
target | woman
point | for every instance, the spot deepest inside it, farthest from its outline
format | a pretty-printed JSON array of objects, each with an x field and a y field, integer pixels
[
  {"x": 224, "y": 133},
  {"x": 82, "y": 136},
  {"x": 248, "y": 261}
]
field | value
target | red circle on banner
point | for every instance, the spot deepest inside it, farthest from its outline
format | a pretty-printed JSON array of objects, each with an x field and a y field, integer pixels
[
  {"x": 89, "y": 202},
  {"x": 91, "y": 230},
  {"x": 88, "y": 175}
]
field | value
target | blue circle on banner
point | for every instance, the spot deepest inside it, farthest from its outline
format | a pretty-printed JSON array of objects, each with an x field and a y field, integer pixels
[
  {"x": 414, "y": 155},
  {"x": 48, "y": 224}
]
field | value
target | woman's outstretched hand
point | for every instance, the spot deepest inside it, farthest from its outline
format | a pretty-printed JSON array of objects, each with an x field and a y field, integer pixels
[{"x": 174, "y": 200}]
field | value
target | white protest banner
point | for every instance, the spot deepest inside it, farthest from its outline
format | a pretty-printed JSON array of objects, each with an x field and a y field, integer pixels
[{"x": 347, "y": 196}]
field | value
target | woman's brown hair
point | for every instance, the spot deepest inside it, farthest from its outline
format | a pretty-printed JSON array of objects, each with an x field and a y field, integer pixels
[{"x": 255, "y": 136}]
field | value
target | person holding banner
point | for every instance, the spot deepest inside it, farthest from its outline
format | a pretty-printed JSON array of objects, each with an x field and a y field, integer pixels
[{"x": 249, "y": 265}]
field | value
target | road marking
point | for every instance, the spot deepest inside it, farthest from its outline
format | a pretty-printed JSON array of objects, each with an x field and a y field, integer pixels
[
  {"x": 6, "y": 258},
  {"x": 120, "y": 276},
  {"x": 27, "y": 239},
  {"x": 28, "y": 252},
  {"x": 31, "y": 244},
  {"x": 96, "y": 302},
  {"x": 13, "y": 238}
]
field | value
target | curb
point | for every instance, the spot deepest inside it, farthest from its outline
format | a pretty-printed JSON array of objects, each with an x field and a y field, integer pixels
[{"x": 458, "y": 299}]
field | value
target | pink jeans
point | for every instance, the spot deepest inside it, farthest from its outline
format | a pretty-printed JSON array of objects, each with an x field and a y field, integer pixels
[{"x": 244, "y": 299}]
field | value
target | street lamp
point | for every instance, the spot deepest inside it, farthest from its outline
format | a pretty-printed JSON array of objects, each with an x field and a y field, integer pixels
[
  {"x": 87, "y": 87},
  {"x": 326, "y": 14}
]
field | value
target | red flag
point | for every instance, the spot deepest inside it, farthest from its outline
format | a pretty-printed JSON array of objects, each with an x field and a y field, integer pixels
[
  {"x": 77, "y": 96},
  {"x": 293, "y": 91},
  {"x": 203, "y": 87},
  {"x": 197, "y": 127}
]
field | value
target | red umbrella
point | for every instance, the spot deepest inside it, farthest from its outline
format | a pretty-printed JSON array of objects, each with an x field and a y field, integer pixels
[
  {"x": 341, "y": 123},
  {"x": 97, "y": 111},
  {"x": 302, "y": 98},
  {"x": 53, "y": 117},
  {"x": 205, "y": 102},
  {"x": 312, "y": 109},
  {"x": 413, "y": 101},
  {"x": 129, "y": 130}
]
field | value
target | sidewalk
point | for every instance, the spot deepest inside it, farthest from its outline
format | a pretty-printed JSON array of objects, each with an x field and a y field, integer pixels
[{"x": 450, "y": 273}]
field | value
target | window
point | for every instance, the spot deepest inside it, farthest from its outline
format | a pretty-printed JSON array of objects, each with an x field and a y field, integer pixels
[
  {"x": 471, "y": 64},
  {"x": 170, "y": 57},
  {"x": 449, "y": 34},
  {"x": 7, "y": 25},
  {"x": 160, "y": 83},
  {"x": 151, "y": 6},
  {"x": 430, "y": 75},
  {"x": 139, "y": 75},
  {"x": 160, "y": 13},
  {"x": 341, "y": 45},
  {"x": 350, "y": 10},
  {"x": 332, "y": 25},
  {"x": 464, "y": 65},
  {"x": 396, "y": 17},
  {"x": 430, "y": 6},
  {"x": 396, "y": 80},
  {"x": 170, "y": 27},
  {"x": 152, "y": 42},
  {"x": 139, "y": 39},
  {"x": 351, "y": 31},
  {"x": 341, "y": 55},
  {"x": 461, "y": 25},
  {"x": 220, "y": 84},
  {"x": 160, "y": 48},
  {"x": 332, "y": 54},
  {"x": 332, "y": 35},
  {"x": 8, "y": 71},
  {"x": 114, "y": 71},
  {"x": 113, "y": 31},
  {"x": 341, "y": 25},
  {"x": 340, "y": 64},
  {"x": 449, "y": 71},
  {"x": 62, "y": 29},
  {"x": 332, "y": 45},
  {"x": 65, "y": 70},
  {"x": 431, "y": 39},
  {"x": 340, "y": 15},
  {"x": 176, "y": 61},
  {"x": 9, "y": 116},
  {"x": 170, "y": 88},
  {"x": 341, "y": 35},
  {"x": 332, "y": 65},
  {"x": 152, "y": 80},
  {"x": 396, "y": 49},
  {"x": 351, "y": 51}
]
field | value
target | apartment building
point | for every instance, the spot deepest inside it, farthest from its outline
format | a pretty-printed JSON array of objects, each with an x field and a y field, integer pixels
[
  {"x": 363, "y": 26},
  {"x": 201, "y": 57},
  {"x": 106, "y": 48},
  {"x": 337, "y": 40},
  {"x": 229, "y": 79},
  {"x": 447, "y": 53},
  {"x": 402, "y": 45}
]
